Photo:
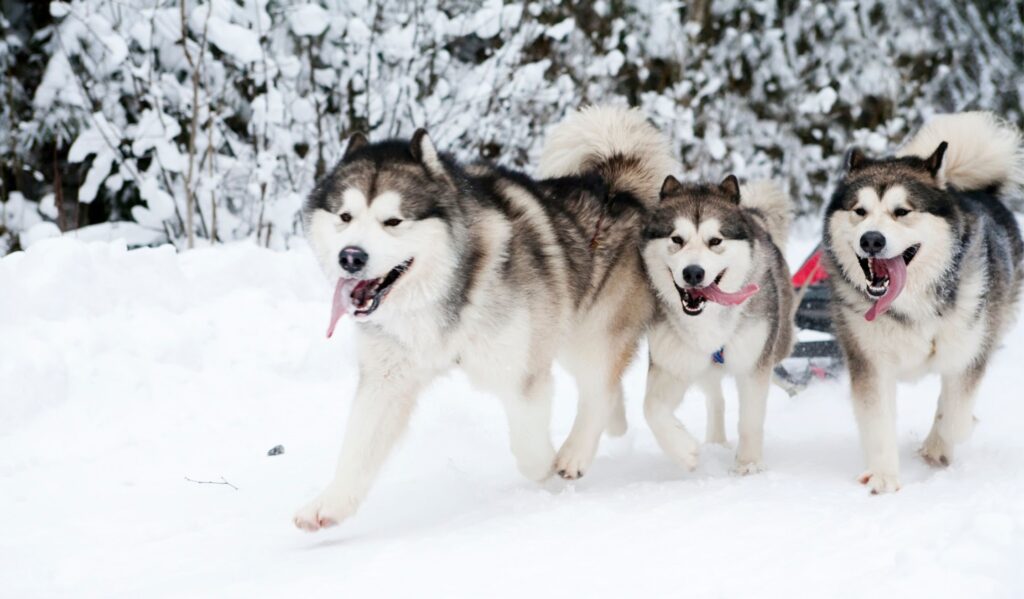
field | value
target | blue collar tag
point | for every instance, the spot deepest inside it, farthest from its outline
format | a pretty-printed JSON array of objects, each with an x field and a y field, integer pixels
[{"x": 719, "y": 356}]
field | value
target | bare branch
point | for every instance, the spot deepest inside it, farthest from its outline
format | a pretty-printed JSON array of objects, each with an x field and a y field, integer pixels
[{"x": 222, "y": 481}]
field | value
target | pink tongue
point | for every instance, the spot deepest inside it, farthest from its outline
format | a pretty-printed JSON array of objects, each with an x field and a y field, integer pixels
[
  {"x": 714, "y": 294},
  {"x": 342, "y": 301},
  {"x": 896, "y": 268}
]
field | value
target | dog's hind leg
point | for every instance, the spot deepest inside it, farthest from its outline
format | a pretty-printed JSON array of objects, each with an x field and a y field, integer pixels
[
  {"x": 597, "y": 368},
  {"x": 712, "y": 388},
  {"x": 664, "y": 394},
  {"x": 529, "y": 427},
  {"x": 753, "y": 391},
  {"x": 954, "y": 416},
  {"x": 380, "y": 412}
]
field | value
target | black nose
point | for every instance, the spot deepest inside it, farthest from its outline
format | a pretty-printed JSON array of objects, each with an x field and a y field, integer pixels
[
  {"x": 872, "y": 242},
  {"x": 353, "y": 259},
  {"x": 693, "y": 274}
]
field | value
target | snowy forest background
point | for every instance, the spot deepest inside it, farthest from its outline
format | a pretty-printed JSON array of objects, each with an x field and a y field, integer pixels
[{"x": 201, "y": 122}]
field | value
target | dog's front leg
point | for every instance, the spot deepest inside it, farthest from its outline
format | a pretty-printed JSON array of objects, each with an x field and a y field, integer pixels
[
  {"x": 715, "y": 431},
  {"x": 664, "y": 394},
  {"x": 753, "y": 391},
  {"x": 529, "y": 426},
  {"x": 380, "y": 412},
  {"x": 874, "y": 404}
]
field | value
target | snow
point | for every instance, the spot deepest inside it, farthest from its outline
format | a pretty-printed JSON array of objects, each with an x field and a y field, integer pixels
[
  {"x": 126, "y": 371},
  {"x": 308, "y": 19},
  {"x": 241, "y": 43},
  {"x": 820, "y": 102},
  {"x": 38, "y": 232}
]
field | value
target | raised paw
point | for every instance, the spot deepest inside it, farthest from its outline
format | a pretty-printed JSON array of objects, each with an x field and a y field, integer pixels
[
  {"x": 329, "y": 509},
  {"x": 880, "y": 483}
]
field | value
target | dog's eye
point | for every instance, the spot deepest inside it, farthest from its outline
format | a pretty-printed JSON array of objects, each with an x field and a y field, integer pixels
[
  {"x": 345, "y": 217},
  {"x": 900, "y": 212},
  {"x": 677, "y": 240},
  {"x": 392, "y": 222},
  {"x": 714, "y": 241},
  {"x": 860, "y": 212}
]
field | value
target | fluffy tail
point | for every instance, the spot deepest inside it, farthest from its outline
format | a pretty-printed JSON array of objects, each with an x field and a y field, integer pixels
[
  {"x": 618, "y": 143},
  {"x": 769, "y": 203},
  {"x": 984, "y": 150}
]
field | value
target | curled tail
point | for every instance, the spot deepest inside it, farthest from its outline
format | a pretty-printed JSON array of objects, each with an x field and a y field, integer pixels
[
  {"x": 984, "y": 150},
  {"x": 630, "y": 154},
  {"x": 771, "y": 205}
]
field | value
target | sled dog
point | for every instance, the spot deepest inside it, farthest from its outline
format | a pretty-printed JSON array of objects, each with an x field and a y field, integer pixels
[
  {"x": 485, "y": 269},
  {"x": 925, "y": 270},
  {"x": 725, "y": 307}
]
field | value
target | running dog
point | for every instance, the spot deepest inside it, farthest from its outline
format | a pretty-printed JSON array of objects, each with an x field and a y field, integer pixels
[
  {"x": 713, "y": 254},
  {"x": 485, "y": 269}
]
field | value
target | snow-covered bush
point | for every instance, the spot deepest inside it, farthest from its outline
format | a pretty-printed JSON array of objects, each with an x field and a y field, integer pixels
[{"x": 211, "y": 120}]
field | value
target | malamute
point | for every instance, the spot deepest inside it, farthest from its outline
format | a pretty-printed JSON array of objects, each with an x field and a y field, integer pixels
[
  {"x": 485, "y": 269},
  {"x": 925, "y": 268},
  {"x": 713, "y": 254}
]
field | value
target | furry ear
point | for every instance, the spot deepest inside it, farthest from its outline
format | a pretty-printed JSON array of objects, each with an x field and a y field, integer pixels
[
  {"x": 424, "y": 152},
  {"x": 670, "y": 186},
  {"x": 355, "y": 141},
  {"x": 934, "y": 162},
  {"x": 855, "y": 159},
  {"x": 730, "y": 186}
]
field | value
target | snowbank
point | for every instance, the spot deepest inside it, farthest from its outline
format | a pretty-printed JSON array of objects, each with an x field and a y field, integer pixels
[{"x": 123, "y": 372}]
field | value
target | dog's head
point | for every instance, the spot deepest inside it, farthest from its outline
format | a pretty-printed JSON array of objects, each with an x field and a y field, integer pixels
[
  {"x": 888, "y": 225},
  {"x": 697, "y": 244},
  {"x": 381, "y": 224}
]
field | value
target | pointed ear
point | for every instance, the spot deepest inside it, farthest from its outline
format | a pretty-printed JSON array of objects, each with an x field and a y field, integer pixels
[
  {"x": 669, "y": 187},
  {"x": 934, "y": 162},
  {"x": 424, "y": 152},
  {"x": 730, "y": 186},
  {"x": 355, "y": 141},
  {"x": 855, "y": 159}
]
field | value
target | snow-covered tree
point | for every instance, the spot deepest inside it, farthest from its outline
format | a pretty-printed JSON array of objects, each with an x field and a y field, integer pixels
[{"x": 195, "y": 121}]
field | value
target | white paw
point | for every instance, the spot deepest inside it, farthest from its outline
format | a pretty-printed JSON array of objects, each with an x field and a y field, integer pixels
[
  {"x": 329, "y": 509},
  {"x": 880, "y": 483},
  {"x": 936, "y": 451},
  {"x": 684, "y": 449},
  {"x": 574, "y": 460},
  {"x": 538, "y": 466},
  {"x": 745, "y": 468}
]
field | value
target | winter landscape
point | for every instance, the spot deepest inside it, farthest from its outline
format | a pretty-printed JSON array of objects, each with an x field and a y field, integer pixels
[
  {"x": 126, "y": 372},
  {"x": 168, "y": 398}
]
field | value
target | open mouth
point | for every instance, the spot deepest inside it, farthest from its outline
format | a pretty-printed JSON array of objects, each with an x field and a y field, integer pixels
[
  {"x": 369, "y": 293},
  {"x": 879, "y": 271},
  {"x": 693, "y": 299},
  {"x": 363, "y": 296}
]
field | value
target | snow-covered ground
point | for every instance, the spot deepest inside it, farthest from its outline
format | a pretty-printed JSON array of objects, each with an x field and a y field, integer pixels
[{"x": 122, "y": 373}]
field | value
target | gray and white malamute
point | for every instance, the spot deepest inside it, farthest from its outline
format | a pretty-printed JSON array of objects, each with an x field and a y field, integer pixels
[
  {"x": 925, "y": 268},
  {"x": 489, "y": 270},
  {"x": 713, "y": 254}
]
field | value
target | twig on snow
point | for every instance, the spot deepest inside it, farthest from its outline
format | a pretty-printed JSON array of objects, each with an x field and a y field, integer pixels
[{"x": 222, "y": 481}]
